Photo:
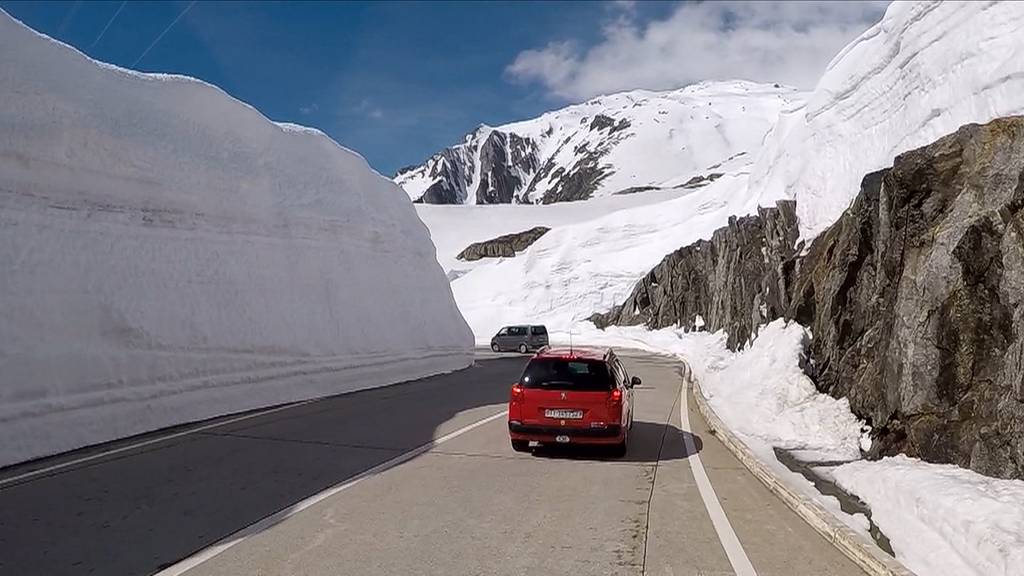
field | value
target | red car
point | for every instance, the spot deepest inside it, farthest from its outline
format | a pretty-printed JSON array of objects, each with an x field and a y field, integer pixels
[{"x": 572, "y": 396}]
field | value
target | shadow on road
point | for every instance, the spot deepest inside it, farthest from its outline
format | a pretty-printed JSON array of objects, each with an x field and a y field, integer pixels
[
  {"x": 145, "y": 509},
  {"x": 649, "y": 442}
]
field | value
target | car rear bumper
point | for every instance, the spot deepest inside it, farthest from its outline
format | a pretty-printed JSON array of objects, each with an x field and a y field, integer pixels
[{"x": 611, "y": 434}]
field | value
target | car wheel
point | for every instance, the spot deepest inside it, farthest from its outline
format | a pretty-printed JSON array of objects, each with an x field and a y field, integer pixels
[
  {"x": 521, "y": 445},
  {"x": 495, "y": 348},
  {"x": 619, "y": 450},
  {"x": 523, "y": 349}
]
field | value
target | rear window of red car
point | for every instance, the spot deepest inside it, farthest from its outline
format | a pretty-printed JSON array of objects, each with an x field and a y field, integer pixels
[{"x": 566, "y": 374}]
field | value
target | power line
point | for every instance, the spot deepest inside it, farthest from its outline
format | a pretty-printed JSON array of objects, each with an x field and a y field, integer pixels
[
  {"x": 166, "y": 30},
  {"x": 109, "y": 22}
]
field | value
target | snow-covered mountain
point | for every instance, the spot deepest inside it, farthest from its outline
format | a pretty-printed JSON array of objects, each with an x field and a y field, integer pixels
[
  {"x": 922, "y": 72},
  {"x": 620, "y": 143},
  {"x": 169, "y": 254}
]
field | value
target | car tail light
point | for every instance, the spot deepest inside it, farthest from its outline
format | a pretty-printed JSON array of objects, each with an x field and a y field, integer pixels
[
  {"x": 517, "y": 393},
  {"x": 615, "y": 404},
  {"x": 615, "y": 398}
]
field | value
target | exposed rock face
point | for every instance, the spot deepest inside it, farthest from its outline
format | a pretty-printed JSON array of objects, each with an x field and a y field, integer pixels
[
  {"x": 449, "y": 186},
  {"x": 702, "y": 180},
  {"x": 915, "y": 297},
  {"x": 581, "y": 180},
  {"x": 503, "y": 246},
  {"x": 506, "y": 164},
  {"x": 506, "y": 161},
  {"x": 736, "y": 281}
]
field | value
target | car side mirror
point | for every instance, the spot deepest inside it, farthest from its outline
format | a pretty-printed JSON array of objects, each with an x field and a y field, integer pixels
[{"x": 634, "y": 382}]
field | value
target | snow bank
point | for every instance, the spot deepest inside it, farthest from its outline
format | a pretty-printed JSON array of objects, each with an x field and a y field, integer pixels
[
  {"x": 760, "y": 392},
  {"x": 925, "y": 70},
  {"x": 169, "y": 254},
  {"x": 941, "y": 519}
]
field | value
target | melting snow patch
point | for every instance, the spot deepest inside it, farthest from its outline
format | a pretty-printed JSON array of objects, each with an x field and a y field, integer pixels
[{"x": 942, "y": 519}]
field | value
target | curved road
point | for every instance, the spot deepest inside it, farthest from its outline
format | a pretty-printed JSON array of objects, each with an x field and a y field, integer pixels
[{"x": 416, "y": 478}]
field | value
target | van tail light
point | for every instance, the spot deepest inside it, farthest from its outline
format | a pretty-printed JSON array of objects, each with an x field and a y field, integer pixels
[{"x": 517, "y": 394}]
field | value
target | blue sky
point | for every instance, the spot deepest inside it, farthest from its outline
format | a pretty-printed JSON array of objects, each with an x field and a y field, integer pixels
[{"x": 399, "y": 81}]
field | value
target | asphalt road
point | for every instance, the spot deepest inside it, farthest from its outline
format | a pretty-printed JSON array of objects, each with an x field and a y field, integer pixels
[{"x": 417, "y": 478}]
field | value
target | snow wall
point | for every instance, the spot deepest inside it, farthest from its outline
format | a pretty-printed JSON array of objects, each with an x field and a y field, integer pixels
[
  {"x": 168, "y": 254},
  {"x": 924, "y": 71}
]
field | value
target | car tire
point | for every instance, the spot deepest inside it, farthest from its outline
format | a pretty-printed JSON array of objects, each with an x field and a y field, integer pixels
[
  {"x": 619, "y": 450},
  {"x": 521, "y": 445},
  {"x": 523, "y": 349},
  {"x": 495, "y": 348}
]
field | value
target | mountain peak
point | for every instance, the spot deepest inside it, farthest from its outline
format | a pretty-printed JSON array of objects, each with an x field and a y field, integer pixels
[{"x": 608, "y": 144}]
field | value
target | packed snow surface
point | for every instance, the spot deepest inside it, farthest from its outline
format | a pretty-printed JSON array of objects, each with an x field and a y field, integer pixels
[
  {"x": 651, "y": 139},
  {"x": 169, "y": 255},
  {"x": 453, "y": 228},
  {"x": 942, "y": 520},
  {"x": 588, "y": 262},
  {"x": 922, "y": 72}
]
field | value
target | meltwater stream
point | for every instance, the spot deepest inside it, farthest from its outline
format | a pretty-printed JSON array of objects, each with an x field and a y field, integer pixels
[{"x": 847, "y": 502}]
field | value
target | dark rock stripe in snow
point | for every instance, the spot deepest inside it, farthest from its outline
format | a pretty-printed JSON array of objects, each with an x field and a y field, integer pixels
[{"x": 503, "y": 246}]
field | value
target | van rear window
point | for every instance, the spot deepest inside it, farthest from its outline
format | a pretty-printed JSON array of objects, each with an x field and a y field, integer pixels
[
  {"x": 538, "y": 330},
  {"x": 566, "y": 374}
]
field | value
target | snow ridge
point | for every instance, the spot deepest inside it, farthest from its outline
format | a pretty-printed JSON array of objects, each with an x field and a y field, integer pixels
[{"x": 605, "y": 145}]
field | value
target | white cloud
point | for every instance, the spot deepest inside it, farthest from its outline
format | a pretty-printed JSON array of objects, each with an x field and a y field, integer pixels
[
  {"x": 367, "y": 108},
  {"x": 786, "y": 42}
]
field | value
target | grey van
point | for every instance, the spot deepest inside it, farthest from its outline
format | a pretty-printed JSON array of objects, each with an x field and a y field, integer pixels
[{"x": 522, "y": 338}]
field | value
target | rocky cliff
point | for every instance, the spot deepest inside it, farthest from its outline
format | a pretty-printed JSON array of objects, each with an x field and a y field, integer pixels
[
  {"x": 914, "y": 297},
  {"x": 735, "y": 282}
]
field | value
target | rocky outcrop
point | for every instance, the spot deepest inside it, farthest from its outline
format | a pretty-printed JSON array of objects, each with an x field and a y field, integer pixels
[
  {"x": 580, "y": 181},
  {"x": 503, "y": 162},
  {"x": 506, "y": 162},
  {"x": 915, "y": 297},
  {"x": 503, "y": 246},
  {"x": 736, "y": 281},
  {"x": 448, "y": 169},
  {"x": 701, "y": 180}
]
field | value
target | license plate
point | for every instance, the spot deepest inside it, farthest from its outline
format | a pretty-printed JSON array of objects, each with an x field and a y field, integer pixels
[
  {"x": 558, "y": 414},
  {"x": 562, "y": 439}
]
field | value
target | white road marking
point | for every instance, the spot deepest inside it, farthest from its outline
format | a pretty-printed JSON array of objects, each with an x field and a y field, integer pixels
[
  {"x": 257, "y": 527},
  {"x": 151, "y": 441},
  {"x": 733, "y": 549}
]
